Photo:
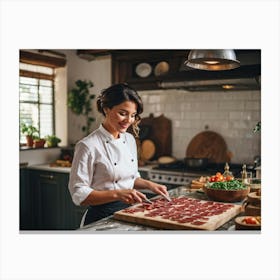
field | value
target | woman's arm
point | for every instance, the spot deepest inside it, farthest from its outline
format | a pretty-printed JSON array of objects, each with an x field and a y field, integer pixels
[
  {"x": 129, "y": 196},
  {"x": 141, "y": 183}
]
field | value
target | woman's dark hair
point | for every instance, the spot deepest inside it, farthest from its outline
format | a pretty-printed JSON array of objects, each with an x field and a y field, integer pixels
[{"x": 117, "y": 94}]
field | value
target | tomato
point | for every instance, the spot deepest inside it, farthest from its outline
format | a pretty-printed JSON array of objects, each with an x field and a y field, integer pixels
[
  {"x": 219, "y": 178},
  {"x": 229, "y": 178},
  {"x": 250, "y": 220},
  {"x": 212, "y": 179},
  {"x": 218, "y": 174}
]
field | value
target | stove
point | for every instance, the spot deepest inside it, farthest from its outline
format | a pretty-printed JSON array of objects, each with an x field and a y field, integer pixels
[{"x": 178, "y": 174}]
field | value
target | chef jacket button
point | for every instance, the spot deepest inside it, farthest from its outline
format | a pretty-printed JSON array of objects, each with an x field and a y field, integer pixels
[
  {"x": 132, "y": 159},
  {"x": 124, "y": 142},
  {"x": 132, "y": 177},
  {"x": 115, "y": 163},
  {"x": 116, "y": 182},
  {"x": 107, "y": 141}
]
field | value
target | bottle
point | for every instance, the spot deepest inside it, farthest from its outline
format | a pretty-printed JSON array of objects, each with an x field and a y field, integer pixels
[
  {"x": 244, "y": 176},
  {"x": 228, "y": 174}
]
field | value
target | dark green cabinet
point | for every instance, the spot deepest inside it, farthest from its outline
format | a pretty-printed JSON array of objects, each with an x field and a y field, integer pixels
[
  {"x": 52, "y": 206},
  {"x": 27, "y": 200}
]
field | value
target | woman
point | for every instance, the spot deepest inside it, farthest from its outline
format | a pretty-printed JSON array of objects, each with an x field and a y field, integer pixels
[{"x": 104, "y": 173}]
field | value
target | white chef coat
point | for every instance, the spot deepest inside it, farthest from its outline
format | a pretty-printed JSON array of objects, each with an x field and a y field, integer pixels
[{"x": 102, "y": 162}]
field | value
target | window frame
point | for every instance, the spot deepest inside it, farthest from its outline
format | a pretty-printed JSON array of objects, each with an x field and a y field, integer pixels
[{"x": 38, "y": 75}]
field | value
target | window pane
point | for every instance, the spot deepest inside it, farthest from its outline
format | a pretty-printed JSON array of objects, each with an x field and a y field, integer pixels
[
  {"x": 46, "y": 123},
  {"x": 28, "y": 81},
  {"x": 45, "y": 94},
  {"x": 46, "y": 83},
  {"x": 28, "y": 93}
]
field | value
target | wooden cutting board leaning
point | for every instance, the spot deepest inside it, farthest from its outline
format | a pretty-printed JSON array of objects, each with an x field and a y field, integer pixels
[
  {"x": 209, "y": 144},
  {"x": 182, "y": 213}
]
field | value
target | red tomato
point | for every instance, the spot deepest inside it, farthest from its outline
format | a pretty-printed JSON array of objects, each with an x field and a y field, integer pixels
[
  {"x": 212, "y": 179},
  {"x": 229, "y": 178},
  {"x": 219, "y": 178},
  {"x": 250, "y": 220}
]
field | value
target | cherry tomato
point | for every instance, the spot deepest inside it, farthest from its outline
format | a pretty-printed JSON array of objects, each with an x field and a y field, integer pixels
[
  {"x": 212, "y": 179},
  {"x": 229, "y": 178}
]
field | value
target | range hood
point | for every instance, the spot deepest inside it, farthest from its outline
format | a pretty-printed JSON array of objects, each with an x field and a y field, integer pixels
[
  {"x": 245, "y": 77},
  {"x": 252, "y": 83}
]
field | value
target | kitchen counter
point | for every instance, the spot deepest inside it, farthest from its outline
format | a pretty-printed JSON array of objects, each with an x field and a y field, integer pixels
[
  {"x": 47, "y": 167},
  {"x": 109, "y": 224}
]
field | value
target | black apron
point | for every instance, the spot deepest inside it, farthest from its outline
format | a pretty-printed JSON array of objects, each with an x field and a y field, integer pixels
[{"x": 97, "y": 212}]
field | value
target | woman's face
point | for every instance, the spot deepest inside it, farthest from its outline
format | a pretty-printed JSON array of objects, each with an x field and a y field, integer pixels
[{"x": 120, "y": 117}]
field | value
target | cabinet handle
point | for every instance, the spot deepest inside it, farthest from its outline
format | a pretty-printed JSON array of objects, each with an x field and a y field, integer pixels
[{"x": 47, "y": 176}]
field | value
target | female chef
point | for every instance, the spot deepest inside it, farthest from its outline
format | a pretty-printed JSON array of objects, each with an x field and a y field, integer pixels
[{"x": 104, "y": 174}]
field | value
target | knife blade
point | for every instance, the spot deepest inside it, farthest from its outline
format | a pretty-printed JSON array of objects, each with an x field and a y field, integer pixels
[
  {"x": 167, "y": 197},
  {"x": 148, "y": 200}
]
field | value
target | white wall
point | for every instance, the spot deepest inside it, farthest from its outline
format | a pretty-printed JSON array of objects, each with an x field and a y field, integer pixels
[
  {"x": 99, "y": 72},
  {"x": 231, "y": 114}
]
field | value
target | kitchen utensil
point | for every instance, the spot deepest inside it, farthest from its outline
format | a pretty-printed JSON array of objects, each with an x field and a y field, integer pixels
[
  {"x": 143, "y": 70},
  {"x": 148, "y": 149},
  {"x": 160, "y": 133},
  {"x": 254, "y": 198},
  {"x": 240, "y": 224},
  {"x": 208, "y": 144},
  {"x": 144, "y": 132},
  {"x": 196, "y": 163},
  {"x": 166, "y": 160},
  {"x": 147, "y": 200},
  {"x": 167, "y": 197},
  {"x": 187, "y": 208},
  {"x": 161, "y": 68}
]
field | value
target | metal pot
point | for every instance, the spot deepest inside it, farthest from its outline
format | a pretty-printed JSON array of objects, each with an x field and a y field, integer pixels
[{"x": 196, "y": 163}]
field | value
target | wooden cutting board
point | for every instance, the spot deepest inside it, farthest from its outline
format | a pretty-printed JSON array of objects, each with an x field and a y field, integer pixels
[
  {"x": 158, "y": 130},
  {"x": 187, "y": 214},
  {"x": 209, "y": 144},
  {"x": 148, "y": 149}
]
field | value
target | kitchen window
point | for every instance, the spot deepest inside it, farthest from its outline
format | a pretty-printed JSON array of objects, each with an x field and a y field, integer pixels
[{"x": 36, "y": 100}]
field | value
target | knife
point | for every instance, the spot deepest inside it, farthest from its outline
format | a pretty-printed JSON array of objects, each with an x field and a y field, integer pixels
[
  {"x": 148, "y": 200},
  {"x": 167, "y": 197}
]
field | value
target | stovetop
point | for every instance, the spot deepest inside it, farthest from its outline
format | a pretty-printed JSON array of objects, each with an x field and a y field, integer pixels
[{"x": 211, "y": 168}]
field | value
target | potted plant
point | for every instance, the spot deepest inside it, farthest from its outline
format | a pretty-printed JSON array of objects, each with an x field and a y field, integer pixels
[
  {"x": 52, "y": 141},
  {"x": 79, "y": 101},
  {"x": 30, "y": 132},
  {"x": 38, "y": 142}
]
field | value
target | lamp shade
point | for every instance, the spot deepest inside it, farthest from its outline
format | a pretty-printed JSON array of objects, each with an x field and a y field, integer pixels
[{"x": 212, "y": 60}]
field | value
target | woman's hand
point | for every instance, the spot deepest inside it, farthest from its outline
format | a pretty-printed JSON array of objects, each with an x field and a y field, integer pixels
[
  {"x": 158, "y": 188},
  {"x": 141, "y": 183},
  {"x": 130, "y": 196}
]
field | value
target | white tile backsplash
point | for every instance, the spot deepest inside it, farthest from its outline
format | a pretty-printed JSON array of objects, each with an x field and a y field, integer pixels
[{"x": 231, "y": 114}]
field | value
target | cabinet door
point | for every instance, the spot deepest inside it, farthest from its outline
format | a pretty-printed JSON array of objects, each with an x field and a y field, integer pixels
[
  {"x": 50, "y": 201},
  {"x": 53, "y": 208},
  {"x": 28, "y": 209},
  {"x": 72, "y": 214}
]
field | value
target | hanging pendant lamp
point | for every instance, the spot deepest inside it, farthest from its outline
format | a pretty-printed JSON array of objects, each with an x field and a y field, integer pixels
[{"x": 212, "y": 60}]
